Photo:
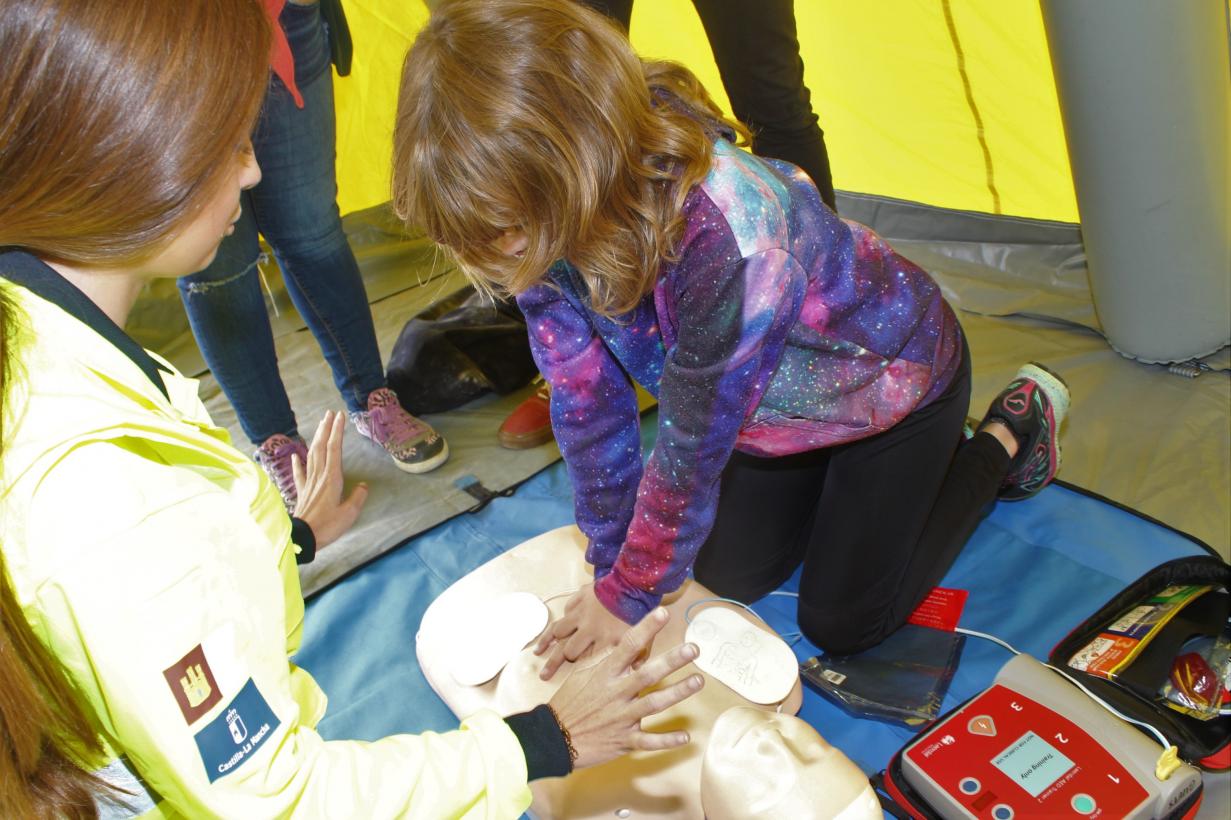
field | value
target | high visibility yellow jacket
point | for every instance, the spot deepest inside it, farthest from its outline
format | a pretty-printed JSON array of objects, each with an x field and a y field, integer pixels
[{"x": 155, "y": 561}]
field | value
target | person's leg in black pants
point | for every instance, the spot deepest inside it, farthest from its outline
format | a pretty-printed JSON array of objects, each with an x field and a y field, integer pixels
[
  {"x": 888, "y": 516},
  {"x": 766, "y": 508},
  {"x": 757, "y": 51},
  {"x": 896, "y": 510}
]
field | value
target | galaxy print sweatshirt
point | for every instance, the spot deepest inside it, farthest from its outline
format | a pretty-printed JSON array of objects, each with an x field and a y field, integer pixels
[{"x": 781, "y": 328}]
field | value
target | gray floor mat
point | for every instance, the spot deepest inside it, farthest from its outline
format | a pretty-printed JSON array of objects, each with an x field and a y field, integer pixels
[
  {"x": 399, "y": 504},
  {"x": 403, "y": 275}
]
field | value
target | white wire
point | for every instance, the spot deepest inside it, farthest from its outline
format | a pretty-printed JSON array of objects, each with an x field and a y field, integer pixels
[
  {"x": 717, "y": 599},
  {"x": 987, "y": 637},
  {"x": 569, "y": 593},
  {"x": 1159, "y": 735}
]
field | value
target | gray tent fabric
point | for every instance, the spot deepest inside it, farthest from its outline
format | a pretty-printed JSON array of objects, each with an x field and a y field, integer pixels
[
  {"x": 1144, "y": 435},
  {"x": 1138, "y": 433},
  {"x": 993, "y": 265}
]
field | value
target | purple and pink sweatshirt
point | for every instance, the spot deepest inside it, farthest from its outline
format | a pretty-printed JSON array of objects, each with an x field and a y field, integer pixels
[{"x": 781, "y": 328}]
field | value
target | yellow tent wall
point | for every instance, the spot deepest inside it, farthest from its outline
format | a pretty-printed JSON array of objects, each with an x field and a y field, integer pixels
[{"x": 946, "y": 102}]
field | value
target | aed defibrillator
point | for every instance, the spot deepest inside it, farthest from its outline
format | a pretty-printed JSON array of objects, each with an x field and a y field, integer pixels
[{"x": 1030, "y": 745}]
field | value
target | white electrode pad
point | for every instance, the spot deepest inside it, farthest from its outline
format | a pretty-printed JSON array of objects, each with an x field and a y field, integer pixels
[
  {"x": 758, "y": 665},
  {"x": 492, "y": 634}
]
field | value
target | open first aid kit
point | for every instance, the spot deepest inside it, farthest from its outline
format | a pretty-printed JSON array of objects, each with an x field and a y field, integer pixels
[{"x": 1037, "y": 744}]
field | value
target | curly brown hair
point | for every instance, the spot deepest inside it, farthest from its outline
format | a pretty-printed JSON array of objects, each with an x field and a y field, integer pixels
[{"x": 537, "y": 116}]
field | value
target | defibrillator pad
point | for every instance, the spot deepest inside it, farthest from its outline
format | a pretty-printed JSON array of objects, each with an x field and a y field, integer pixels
[
  {"x": 492, "y": 634},
  {"x": 757, "y": 664}
]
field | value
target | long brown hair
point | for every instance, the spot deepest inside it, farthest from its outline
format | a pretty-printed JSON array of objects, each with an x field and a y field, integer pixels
[
  {"x": 46, "y": 737},
  {"x": 113, "y": 114},
  {"x": 118, "y": 119},
  {"x": 536, "y": 115}
]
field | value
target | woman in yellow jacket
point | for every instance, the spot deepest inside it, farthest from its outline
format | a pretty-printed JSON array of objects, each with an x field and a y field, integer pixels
[{"x": 150, "y": 598}]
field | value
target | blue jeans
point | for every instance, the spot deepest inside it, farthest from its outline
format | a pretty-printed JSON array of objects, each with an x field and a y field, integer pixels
[{"x": 295, "y": 208}]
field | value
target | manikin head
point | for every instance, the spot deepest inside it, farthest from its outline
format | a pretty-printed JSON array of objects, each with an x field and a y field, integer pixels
[{"x": 766, "y": 765}]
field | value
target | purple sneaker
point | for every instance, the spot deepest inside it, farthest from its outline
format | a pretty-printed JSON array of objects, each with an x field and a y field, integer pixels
[
  {"x": 414, "y": 446},
  {"x": 1032, "y": 406},
  {"x": 274, "y": 456}
]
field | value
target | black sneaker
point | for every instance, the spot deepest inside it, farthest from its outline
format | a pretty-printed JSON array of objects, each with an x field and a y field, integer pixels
[{"x": 1032, "y": 406}]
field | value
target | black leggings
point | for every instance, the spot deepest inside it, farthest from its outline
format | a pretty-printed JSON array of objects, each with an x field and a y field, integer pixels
[
  {"x": 757, "y": 52},
  {"x": 876, "y": 523}
]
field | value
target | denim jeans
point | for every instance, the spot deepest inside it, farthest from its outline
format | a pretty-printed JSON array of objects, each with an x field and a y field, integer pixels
[
  {"x": 757, "y": 53},
  {"x": 295, "y": 208}
]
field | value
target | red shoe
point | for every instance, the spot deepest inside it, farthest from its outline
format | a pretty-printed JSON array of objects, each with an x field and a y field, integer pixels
[{"x": 529, "y": 425}]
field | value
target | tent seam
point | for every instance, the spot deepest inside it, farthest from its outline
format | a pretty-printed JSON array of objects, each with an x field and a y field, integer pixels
[{"x": 988, "y": 167}]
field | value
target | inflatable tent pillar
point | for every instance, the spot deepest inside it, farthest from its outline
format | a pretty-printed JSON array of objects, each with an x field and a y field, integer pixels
[{"x": 1145, "y": 93}]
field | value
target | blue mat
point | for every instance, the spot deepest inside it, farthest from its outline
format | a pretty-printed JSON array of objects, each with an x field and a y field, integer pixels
[{"x": 1034, "y": 570}]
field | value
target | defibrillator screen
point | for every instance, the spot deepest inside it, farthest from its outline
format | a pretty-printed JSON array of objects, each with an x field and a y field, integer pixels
[{"x": 1032, "y": 763}]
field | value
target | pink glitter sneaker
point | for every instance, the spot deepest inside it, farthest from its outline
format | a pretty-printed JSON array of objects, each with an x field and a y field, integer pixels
[
  {"x": 274, "y": 456},
  {"x": 414, "y": 446}
]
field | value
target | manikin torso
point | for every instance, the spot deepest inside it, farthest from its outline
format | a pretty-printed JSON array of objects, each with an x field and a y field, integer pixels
[{"x": 642, "y": 784}]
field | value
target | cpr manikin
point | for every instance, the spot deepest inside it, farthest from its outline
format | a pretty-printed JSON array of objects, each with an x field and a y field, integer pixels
[
  {"x": 550, "y": 568},
  {"x": 769, "y": 766}
]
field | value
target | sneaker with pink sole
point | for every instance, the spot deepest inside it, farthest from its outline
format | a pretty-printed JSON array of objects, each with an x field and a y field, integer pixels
[
  {"x": 412, "y": 444},
  {"x": 1033, "y": 407}
]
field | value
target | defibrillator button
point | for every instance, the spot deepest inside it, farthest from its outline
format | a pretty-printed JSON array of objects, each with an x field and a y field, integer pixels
[
  {"x": 969, "y": 785},
  {"x": 1083, "y": 804},
  {"x": 1002, "y": 812},
  {"x": 982, "y": 725}
]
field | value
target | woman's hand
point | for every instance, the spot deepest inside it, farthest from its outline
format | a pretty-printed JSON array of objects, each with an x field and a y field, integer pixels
[
  {"x": 585, "y": 625},
  {"x": 319, "y": 483},
  {"x": 602, "y": 707}
]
